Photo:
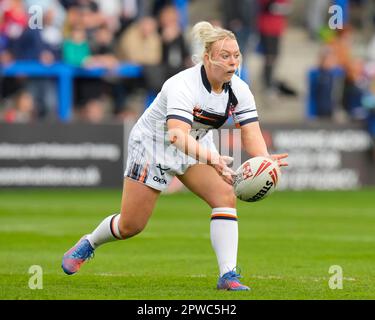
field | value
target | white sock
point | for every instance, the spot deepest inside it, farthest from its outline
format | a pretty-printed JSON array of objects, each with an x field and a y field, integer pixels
[
  {"x": 224, "y": 237},
  {"x": 106, "y": 231}
]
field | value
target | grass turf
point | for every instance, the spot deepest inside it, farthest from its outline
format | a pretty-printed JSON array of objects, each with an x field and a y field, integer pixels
[{"x": 287, "y": 244}]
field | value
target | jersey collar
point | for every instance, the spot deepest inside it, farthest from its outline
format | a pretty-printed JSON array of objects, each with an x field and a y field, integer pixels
[{"x": 207, "y": 84}]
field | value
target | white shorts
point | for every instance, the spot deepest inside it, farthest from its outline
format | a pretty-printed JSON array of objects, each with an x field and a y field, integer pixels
[{"x": 154, "y": 162}]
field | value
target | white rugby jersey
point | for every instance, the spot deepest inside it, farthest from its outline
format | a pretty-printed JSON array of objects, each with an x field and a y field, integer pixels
[{"x": 187, "y": 96}]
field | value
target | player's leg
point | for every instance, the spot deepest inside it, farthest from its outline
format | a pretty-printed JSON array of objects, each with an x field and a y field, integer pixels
[
  {"x": 204, "y": 181},
  {"x": 137, "y": 204},
  {"x": 138, "y": 201}
]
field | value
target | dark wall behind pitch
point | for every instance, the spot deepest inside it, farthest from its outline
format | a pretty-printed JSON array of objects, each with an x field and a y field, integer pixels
[{"x": 323, "y": 157}]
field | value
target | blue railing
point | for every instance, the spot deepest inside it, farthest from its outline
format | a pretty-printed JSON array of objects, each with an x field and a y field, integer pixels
[{"x": 65, "y": 74}]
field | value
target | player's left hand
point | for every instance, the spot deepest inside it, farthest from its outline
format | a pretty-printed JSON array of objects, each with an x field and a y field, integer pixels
[{"x": 279, "y": 159}]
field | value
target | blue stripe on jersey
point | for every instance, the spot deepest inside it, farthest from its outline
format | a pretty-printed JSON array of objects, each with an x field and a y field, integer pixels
[
  {"x": 175, "y": 116},
  {"x": 242, "y": 123},
  {"x": 244, "y": 111}
]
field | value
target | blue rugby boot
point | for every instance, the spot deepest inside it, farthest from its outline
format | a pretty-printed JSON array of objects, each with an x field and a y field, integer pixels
[
  {"x": 77, "y": 255},
  {"x": 230, "y": 281}
]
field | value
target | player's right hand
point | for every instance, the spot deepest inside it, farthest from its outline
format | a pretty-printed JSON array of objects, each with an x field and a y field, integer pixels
[{"x": 221, "y": 166}]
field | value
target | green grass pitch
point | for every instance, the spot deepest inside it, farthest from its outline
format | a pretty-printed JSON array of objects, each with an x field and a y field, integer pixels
[{"x": 287, "y": 244}]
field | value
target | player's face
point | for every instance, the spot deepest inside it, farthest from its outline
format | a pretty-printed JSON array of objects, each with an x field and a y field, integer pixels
[{"x": 225, "y": 59}]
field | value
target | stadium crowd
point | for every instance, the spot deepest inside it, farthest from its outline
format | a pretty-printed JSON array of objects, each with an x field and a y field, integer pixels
[
  {"x": 91, "y": 34},
  {"x": 343, "y": 83}
]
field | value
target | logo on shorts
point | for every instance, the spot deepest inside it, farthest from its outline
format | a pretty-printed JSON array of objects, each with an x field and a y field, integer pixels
[
  {"x": 162, "y": 169},
  {"x": 160, "y": 180},
  {"x": 162, "y": 173}
]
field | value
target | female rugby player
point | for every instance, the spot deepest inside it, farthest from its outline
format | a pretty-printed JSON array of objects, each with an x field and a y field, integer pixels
[{"x": 173, "y": 138}]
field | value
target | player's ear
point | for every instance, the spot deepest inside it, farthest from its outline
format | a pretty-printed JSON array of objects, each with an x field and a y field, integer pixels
[{"x": 206, "y": 58}]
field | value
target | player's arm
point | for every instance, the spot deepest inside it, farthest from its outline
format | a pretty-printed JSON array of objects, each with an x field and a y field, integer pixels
[
  {"x": 252, "y": 140},
  {"x": 179, "y": 136},
  {"x": 254, "y": 144}
]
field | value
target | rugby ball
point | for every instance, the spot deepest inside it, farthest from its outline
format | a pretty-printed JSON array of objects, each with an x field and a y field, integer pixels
[{"x": 256, "y": 179}]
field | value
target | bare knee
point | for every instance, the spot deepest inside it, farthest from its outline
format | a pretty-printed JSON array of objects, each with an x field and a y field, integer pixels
[
  {"x": 130, "y": 228},
  {"x": 225, "y": 197},
  {"x": 229, "y": 200}
]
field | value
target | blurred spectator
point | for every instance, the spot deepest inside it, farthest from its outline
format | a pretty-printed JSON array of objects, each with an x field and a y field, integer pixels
[
  {"x": 111, "y": 11},
  {"x": 43, "y": 45},
  {"x": 37, "y": 49},
  {"x": 13, "y": 21},
  {"x": 51, "y": 33},
  {"x": 43, "y": 90},
  {"x": 102, "y": 49},
  {"x": 140, "y": 43},
  {"x": 130, "y": 11},
  {"x": 72, "y": 19},
  {"x": 13, "y": 18},
  {"x": 240, "y": 17},
  {"x": 19, "y": 109},
  {"x": 271, "y": 25},
  {"x": 326, "y": 85},
  {"x": 93, "y": 111},
  {"x": 90, "y": 16},
  {"x": 76, "y": 49},
  {"x": 354, "y": 90},
  {"x": 175, "y": 51},
  {"x": 316, "y": 16},
  {"x": 87, "y": 92},
  {"x": 158, "y": 5},
  {"x": 354, "y": 84},
  {"x": 342, "y": 44}
]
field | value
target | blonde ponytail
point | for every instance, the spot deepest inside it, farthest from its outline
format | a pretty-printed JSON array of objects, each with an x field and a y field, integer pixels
[{"x": 204, "y": 35}]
